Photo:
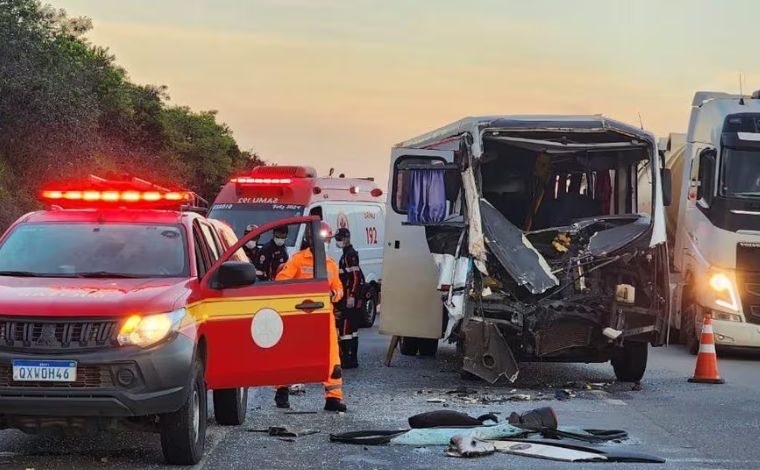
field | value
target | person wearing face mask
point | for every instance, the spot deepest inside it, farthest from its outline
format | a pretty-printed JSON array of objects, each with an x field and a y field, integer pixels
[
  {"x": 272, "y": 255},
  {"x": 301, "y": 266},
  {"x": 352, "y": 278}
]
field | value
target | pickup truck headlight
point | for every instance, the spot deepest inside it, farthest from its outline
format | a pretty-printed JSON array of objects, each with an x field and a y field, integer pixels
[
  {"x": 146, "y": 330},
  {"x": 725, "y": 291}
]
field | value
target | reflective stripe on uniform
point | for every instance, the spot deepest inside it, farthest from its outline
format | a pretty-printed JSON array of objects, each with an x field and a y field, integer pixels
[
  {"x": 352, "y": 269},
  {"x": 329, "y": 388},
  {"x": 355, "y": 334},
  {"x": 346, "y": 337}
]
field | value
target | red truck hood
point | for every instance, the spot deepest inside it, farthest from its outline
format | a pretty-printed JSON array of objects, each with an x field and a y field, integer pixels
[{"x": 89, "y": 297}]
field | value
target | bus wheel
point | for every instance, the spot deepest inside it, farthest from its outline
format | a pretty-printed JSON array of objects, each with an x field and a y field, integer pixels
[
  {"x": 409, "y": 346},
  {"x": 428, "y": 347},
  {"x": 630, "y": 362}
]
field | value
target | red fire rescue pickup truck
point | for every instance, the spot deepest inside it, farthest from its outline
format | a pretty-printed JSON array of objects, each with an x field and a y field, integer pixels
[{"x": 119, "y": 304}]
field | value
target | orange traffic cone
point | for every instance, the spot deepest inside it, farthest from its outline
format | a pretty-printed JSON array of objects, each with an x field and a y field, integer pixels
[{"x": 706, "y": 371}]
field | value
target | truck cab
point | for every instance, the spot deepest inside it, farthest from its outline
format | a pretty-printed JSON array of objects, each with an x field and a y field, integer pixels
[{"x": 716, "y": 235}]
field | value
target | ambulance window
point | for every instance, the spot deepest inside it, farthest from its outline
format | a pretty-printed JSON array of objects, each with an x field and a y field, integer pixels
[
  {"x": 215, "y": 248},
  {"x": 401, "y": 179},
  {"x": 317, "y": 211}
]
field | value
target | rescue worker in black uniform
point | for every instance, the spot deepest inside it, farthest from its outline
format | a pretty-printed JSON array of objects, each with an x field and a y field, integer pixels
[
  {"x": 349, "y": 308},
  {"x": 251, "y": 247},
  {"x": 272, "y": 255}
]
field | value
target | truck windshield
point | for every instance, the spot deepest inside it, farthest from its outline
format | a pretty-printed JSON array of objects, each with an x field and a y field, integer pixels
[
  {"x": 239, "y": 216},
  {"x": 94, "y": 250},
  {"x": 741, "y": 173}
]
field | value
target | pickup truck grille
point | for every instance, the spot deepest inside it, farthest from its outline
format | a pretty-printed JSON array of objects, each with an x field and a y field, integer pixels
[
  {"x": 50, "y": 335},
  {"x": 87, "y": 377}
]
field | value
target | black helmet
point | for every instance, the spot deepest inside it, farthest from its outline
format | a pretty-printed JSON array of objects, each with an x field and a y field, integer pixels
[{"x": 342, "y": 234}]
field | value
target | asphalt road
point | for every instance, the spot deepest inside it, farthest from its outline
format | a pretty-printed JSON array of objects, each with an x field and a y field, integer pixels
[{"x": 692, "y": 426}]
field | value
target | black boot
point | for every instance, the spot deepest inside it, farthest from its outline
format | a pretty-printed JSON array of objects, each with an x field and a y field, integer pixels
[
  {"x": 355, "y": 350},
  {"x": 281, "y": 398},
  {"x": 344, "y": 346},
  {"x": 335, "y": 404}
]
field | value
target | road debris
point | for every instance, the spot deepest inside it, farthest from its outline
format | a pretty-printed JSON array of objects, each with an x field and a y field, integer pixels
[
  {"x": 468, "y": 446},
  {"x": 564, "y": 394},
  {"x": 282, "y": 431}
]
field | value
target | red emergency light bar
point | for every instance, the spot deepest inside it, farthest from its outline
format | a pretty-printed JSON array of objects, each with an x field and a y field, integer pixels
[
  {"x": 246, "y": 180},
  {"x": 99, "y": 192}
]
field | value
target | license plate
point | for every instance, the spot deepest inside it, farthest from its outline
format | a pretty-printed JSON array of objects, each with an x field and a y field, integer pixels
[{"x": 44, "y": 371}]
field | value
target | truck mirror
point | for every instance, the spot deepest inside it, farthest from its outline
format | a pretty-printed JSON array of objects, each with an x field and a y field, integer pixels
[
  {"x": 235, "y": 274},
  {"x": 667, "y": 187}
]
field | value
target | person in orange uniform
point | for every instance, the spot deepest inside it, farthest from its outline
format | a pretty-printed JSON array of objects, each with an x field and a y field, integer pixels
[{"x": 301, "y": 266}]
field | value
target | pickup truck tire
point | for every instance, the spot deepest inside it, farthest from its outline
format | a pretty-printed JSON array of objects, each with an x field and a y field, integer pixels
[
  {"x": 409, "y": 346},
  {"x": 183, "y": 432},
  {"x": 428, "y": 347},
  {"x": 230, "y": 405},
  {"x": 630, "y": 362},
  {"x": 369, "y": 311}
]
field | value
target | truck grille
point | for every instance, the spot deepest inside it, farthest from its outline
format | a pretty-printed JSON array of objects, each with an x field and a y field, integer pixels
[
  {"x": 87, "y": 377},
  {"x": 51, "y": 335},
  {"x": 749, "y": 292}
]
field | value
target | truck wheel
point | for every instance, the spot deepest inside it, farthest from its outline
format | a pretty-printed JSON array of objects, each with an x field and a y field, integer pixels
[
  {"x": 230, "y": 406},
  {"x": 630, "y": 362},
  {"x": 369, "y": 313},
  {"x": 694, "y": 320},
  {"x": 409, "y": 346},
  {"x": 428, "y": 347},
  {"x": 183, "y": 432}
]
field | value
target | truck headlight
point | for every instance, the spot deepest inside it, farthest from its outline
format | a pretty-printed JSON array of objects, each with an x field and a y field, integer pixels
[
  {"x": 146, "y": 330},
  {"x": 726, "y": 316},
  {"x": 725, "y": 292}
]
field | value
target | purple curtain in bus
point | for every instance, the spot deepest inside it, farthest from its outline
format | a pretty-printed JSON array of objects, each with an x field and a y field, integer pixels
[{"x": 427, "y": 197}]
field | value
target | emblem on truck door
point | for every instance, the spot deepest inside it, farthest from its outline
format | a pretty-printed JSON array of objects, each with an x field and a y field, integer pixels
[
  {"x": 266, "y": 328},
  {"x": 47, "y": 336}
]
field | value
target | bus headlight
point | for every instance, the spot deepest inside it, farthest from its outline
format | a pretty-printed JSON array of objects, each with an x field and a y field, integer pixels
[
  {"x": 146, "y": 330},
  {"x": 724, "y": 290}
]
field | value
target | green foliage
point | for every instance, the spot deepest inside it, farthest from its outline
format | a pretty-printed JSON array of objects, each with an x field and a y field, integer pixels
[{"x": 67, "y": 109}]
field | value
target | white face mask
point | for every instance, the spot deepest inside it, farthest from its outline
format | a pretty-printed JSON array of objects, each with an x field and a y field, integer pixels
[
  {"x": 327, "y": 246},
  {"x": 341, "y": 244},
  {"x": 251, "y": 244},
  {"x": 279, "y": 241}
]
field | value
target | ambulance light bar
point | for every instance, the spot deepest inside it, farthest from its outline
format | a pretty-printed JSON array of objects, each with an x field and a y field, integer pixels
[{"x": 246, "y": 180}]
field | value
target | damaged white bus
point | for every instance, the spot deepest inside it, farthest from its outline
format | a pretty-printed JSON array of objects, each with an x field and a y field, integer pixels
[{"x": 520, "y": 239}]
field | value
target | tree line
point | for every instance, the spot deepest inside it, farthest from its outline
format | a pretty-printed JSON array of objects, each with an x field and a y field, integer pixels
[{"x": 68, "y": 110}]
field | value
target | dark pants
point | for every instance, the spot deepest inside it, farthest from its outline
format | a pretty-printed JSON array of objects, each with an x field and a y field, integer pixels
[{"x": 348, "y": 337}]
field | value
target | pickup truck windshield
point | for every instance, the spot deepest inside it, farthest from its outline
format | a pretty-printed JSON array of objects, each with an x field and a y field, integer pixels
[
  {"x": 94, "y": 250},
  {"x": 741, "y": 173},
  {"x": 239, "y": 216}
]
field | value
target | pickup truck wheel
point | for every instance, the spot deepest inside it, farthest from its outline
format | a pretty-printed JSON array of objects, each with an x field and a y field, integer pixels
[
  {"x": 183, "y": 432},
  {"x": 230, "y": 406},
  {"x": 409, "y": 346},
  {"x": 428, "y": 347},
  {"x": 369, "y": 312},
  {"x": 630, "y": 362}
]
